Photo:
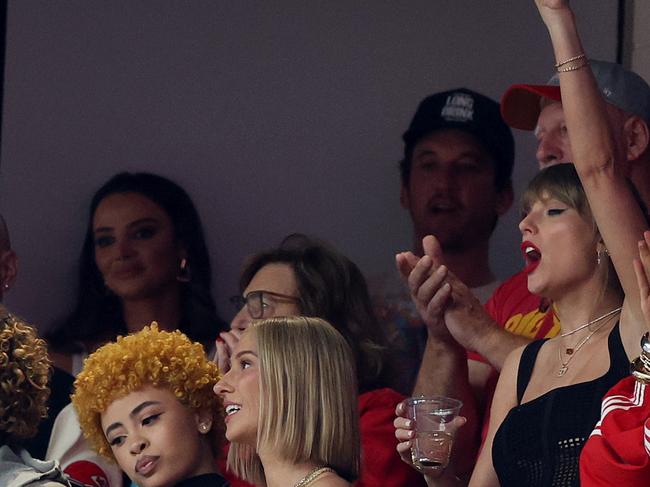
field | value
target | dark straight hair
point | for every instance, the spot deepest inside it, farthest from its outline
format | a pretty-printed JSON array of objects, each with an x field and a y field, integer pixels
[{"x": 98, "y": 312}]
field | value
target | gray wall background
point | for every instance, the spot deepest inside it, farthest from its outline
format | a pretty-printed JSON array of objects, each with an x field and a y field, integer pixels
[{"x": 276, "y": 116}]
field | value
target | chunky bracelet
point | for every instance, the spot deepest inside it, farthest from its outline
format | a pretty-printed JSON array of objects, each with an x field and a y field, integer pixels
[
  {"x": 570, "y": 60},
  {"x": 572, "y": 64},
  {"x": 640, "y": 367}
]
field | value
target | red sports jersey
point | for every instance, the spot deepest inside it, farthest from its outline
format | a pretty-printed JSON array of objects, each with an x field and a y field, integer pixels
[{"x": 618, "y": 450}]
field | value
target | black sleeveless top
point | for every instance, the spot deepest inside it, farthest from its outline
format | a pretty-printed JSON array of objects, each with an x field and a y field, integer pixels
[{"x": 539, "y": 442}]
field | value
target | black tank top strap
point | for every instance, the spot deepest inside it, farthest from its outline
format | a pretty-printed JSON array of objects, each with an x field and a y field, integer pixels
[
  {"x": 619, "y": 362},
  {"x": 526, "y": 365}
]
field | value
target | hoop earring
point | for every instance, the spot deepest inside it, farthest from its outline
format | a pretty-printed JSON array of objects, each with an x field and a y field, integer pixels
[{"x": 184, "y": 272}]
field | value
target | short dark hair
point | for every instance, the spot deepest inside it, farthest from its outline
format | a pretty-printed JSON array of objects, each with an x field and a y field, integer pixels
[
  {"x": 98, "y": 313},
  {"x": 333, "y": 288}
]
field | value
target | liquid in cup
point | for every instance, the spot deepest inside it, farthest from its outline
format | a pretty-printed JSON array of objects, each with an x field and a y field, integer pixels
[{"x": 431, "y": 447}]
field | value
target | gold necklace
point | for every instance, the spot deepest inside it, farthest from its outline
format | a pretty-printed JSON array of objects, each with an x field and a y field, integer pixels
[
  {"x": 571, "y": 352},
  {"x": 592, "y": 322},
  {"x": 311, "y": 476}
]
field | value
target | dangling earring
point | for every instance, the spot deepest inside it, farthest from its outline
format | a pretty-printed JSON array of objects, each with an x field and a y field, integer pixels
[
  {"x": 184, "y": 272},
  {"x": 599, "y": 253}
]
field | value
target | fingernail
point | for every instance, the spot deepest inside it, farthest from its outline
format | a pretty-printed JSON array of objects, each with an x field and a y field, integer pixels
[
  {"x": 411, "y": 434},
  {"x": 409, "y": 424}
]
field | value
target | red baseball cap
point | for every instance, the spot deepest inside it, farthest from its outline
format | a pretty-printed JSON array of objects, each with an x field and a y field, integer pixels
[{"x": 521, "y": 104}]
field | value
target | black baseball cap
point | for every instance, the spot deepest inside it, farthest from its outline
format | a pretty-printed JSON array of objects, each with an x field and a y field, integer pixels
[{"x": 471, "y": 112}]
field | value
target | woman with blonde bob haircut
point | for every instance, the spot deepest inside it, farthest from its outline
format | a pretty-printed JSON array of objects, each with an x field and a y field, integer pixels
[
  {"x": 291, "y": 409},
  {"x": 146, "y": 402}
]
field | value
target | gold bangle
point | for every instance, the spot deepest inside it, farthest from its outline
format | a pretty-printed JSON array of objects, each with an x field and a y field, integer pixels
[
  {"x": 573, "y": 68},
  {"x": 570, "y": 60}
]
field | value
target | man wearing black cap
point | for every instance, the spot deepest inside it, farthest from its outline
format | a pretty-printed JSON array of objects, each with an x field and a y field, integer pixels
[
  {"x": 456, "y": 182},
  {"x": 456, "y": 179}
]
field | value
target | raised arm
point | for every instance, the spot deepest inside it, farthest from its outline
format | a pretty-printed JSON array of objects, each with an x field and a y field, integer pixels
[{"x": 600, "y": 158}]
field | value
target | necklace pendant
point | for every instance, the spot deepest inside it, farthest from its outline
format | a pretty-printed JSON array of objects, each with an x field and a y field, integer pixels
[
  {"x": 562, "y": 371},
  {"x": 569, "y": 351}
]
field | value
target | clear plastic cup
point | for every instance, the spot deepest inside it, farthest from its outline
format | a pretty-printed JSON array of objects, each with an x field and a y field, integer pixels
[{"x": 432, "y": 444}]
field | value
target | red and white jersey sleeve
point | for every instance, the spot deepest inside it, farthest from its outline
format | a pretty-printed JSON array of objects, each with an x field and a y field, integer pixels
[{"x": 618, "y": 450}]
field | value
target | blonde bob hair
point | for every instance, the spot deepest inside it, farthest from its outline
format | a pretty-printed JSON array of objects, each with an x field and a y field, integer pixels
[
  {"x": 308, "y": 399},
  {"x": 164, "y": 359},
  {"x": 24, "y": 375}
]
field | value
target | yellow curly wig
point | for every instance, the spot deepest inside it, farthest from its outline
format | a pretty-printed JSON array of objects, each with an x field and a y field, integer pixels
[
  {"x": 150, "y": 357},
  {"x": 24, "y": 376}
]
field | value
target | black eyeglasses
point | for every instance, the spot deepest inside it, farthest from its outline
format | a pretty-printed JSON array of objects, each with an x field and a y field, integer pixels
[{"x": 258, "y": 303}]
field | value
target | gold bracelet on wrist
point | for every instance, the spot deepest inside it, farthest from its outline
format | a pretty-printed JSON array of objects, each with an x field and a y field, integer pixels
[
  {"x": 573, "y": 68},
  {"x": 570, "y": 60}
]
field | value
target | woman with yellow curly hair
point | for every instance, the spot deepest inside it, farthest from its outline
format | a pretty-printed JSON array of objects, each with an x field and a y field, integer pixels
[
  {"x": 24, "y": 374},
  {"x": 146, "y": 402}
]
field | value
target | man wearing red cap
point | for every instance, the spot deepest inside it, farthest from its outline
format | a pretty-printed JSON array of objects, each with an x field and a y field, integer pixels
[{"x": 539, "y": 108}]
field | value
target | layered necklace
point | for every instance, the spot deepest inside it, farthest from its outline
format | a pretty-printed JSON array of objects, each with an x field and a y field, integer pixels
[{"x": 571, "y": 352}]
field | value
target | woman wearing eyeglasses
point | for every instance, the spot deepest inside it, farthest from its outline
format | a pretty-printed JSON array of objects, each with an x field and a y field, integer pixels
[{"x": 306, "y": 277}]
